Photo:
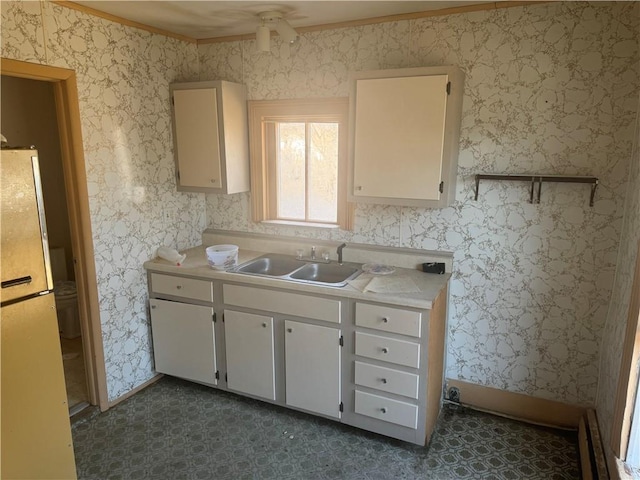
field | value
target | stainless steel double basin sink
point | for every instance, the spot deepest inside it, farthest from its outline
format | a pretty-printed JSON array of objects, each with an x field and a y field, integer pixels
[{"x": 286, "y": 267}]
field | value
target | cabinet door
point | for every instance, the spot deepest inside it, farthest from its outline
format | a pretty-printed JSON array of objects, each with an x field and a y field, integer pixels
[
  {"x": 399, "y": 137},
  {"x": 197, "y": 139},
  {"x": 184, "y": 340},
  {"x": 249, "y": 353},
  {"x": 312, "y": 365}
]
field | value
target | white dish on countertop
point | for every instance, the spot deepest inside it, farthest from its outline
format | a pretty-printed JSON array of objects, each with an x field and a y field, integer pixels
[{"x": 378, "y": 269}]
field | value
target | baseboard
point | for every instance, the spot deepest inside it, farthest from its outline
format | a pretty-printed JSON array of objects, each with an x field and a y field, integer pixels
[
  {"x": 517, "y": 405},
  {"x": 140, "y": 387}
]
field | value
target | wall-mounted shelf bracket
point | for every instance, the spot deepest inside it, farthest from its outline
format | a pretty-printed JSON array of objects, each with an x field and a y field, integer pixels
[{"x": 534, "y": 197}]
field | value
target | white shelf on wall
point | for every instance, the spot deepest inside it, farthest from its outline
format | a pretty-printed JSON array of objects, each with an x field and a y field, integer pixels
[{"x": 537, "y": 180}]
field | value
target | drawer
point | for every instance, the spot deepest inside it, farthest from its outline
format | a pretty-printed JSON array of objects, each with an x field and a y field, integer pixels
[
  {"x": 388, "y": 319},
  {"x": 388, "y": 349},
  {"x": 287, "y": 303},
  {"x": 382, "y": 408},
  {"x": 182, "y": 287},
  {"x": 387, "y": 379}
]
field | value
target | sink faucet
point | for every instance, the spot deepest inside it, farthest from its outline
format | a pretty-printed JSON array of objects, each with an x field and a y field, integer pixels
[{"x": 340, "y": 252}]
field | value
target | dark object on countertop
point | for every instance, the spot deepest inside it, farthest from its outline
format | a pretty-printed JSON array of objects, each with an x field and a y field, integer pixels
[{"x": 433, "y": 267}]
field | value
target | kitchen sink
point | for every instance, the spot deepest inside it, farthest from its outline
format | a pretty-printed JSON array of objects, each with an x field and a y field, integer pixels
[
  {"x": 330, "y": 273},
  {"x": 286, "y": 267},
  {"x": 270, "y": 265}
]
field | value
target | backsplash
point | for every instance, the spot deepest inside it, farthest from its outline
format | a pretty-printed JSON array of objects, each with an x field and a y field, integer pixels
[{"x": 549, "y": 88}]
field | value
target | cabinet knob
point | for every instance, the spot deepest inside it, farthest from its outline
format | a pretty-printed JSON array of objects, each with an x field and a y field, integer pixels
[
  {"x": 383, "y": 380},
  {"x": 359, "y": 188},
  {"x": 385, "y": 350},
  {"x": 179, "y": 287},
  {"x": 385, "y": 320},
  {"x": 383, "y": 410},
  {"x": 213, "y": 180},
  {"x": 153, "y": 306},
  {"x": 264, "y": 324},
  {"x": 289, "y": 330}
]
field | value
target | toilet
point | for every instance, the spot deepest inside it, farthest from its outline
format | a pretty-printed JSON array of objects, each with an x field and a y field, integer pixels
[{"x": 66, "y": 295}]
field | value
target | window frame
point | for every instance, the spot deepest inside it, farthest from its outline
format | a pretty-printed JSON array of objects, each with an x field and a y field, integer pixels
[{"x": 262, "y": 115}]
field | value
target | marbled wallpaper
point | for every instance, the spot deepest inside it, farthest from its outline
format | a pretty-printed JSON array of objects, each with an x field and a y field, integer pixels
[
  {"x": 123, "y": 77},
  {"x": 549, "y": 88},
  {"x": 617, "y": 316}
]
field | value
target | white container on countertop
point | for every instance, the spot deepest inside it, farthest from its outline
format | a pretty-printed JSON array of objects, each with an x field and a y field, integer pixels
[{"x": 222, "y": 257}]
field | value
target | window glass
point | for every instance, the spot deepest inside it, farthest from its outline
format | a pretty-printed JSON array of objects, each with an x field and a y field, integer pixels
[
  {"x": 290, "y": 167},
  {"x": 323, "y": 172}
]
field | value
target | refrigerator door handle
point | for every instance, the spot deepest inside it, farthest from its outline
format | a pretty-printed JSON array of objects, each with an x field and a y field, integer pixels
[{"x": 16, "y": 281}]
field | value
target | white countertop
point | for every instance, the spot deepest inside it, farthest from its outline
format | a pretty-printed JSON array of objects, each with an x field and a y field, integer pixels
[{"x": 195, "y": 265}]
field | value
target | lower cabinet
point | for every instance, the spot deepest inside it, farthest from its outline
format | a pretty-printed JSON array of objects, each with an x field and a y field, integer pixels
[
  {"x": 312, "y": 366},
  {"x": 371, "y": 365},
  {"x": 249, "y": 349},
  {"x": 184, "y": 341}
]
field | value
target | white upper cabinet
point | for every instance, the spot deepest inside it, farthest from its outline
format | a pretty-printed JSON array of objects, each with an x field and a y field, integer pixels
[
  {"x": 404, "y": 133},
  {"x": 210, "y": 134}
]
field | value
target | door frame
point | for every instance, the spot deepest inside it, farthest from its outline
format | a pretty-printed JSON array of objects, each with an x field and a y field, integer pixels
[
  {"x": 628, "y": 378},
  {"x": 65, "y": 90}
]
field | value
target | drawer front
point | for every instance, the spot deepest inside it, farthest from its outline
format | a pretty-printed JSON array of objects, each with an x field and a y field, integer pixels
[
  {"x": 383, "y": 408},
  {"x": 388, "y": 319},
  {"x": 388, "y": 349},
  {"x": 387, "y": 379},
  {"x": 306, "y": 306},
  {"x": 182, "y": 287}
]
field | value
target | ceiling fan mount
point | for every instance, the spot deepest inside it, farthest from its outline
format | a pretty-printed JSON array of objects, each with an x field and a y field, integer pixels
[{"x": 263, "y": 33}]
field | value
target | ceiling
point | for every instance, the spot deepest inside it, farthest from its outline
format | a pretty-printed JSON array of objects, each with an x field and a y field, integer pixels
[{"x": 203, "y": 19}]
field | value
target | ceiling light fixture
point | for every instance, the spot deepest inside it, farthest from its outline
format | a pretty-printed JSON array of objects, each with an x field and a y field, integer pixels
[
  {"x": 284, "y": 29},
  {"x": 263, "y": 39}
]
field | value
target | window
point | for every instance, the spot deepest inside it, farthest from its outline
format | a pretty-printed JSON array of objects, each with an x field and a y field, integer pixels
[{"x": 298, "y": 161}]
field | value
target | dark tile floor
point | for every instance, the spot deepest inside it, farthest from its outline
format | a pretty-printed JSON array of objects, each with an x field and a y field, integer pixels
[{"x": 180, "y": 430}]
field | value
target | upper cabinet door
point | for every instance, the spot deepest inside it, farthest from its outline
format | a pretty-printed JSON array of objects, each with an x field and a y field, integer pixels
[
  {"x": 404, "y": 136},
  {"x": 197, "y": 141},
  {"x": 211, "y": 139}
]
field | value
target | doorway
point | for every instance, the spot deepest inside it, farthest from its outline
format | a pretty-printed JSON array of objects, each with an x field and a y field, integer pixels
[
  {"x": 29, "y": 118},
  {"x": 67, "y": 211}
]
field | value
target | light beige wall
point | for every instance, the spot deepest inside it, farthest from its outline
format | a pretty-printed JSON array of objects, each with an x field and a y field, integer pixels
[
  {"x": 549, "y": 88},
  {"x": 28, "y": 114},
  {"x": 617, "y": 317}
]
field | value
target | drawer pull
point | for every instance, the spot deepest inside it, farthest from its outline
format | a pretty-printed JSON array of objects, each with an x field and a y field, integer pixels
[
  {"x": 385, "y": 350},
  {"x": 289, "y": 330},
  {"x": 383, "y": 380},
  {"x": 179, "y": 287},
  {"x": 383, "y": 409},
  {"x": 153, "y": 306},
  {"x": 385, "y": 320}
]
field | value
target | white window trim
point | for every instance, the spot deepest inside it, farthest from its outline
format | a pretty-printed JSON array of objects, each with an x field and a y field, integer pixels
[{"x": 262, "y": 111}]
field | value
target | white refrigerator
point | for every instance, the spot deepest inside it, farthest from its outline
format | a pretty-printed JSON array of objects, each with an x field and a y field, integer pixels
[{"x": 36, "y": 438}]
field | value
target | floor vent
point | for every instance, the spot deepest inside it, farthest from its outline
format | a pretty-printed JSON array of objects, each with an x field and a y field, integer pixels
[{"x": 592, "y": 459}]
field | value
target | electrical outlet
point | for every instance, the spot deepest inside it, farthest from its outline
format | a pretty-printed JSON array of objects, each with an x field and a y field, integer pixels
[
  {"x": 167, "y": 217},
  {"x": 454, "y": 395}
]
